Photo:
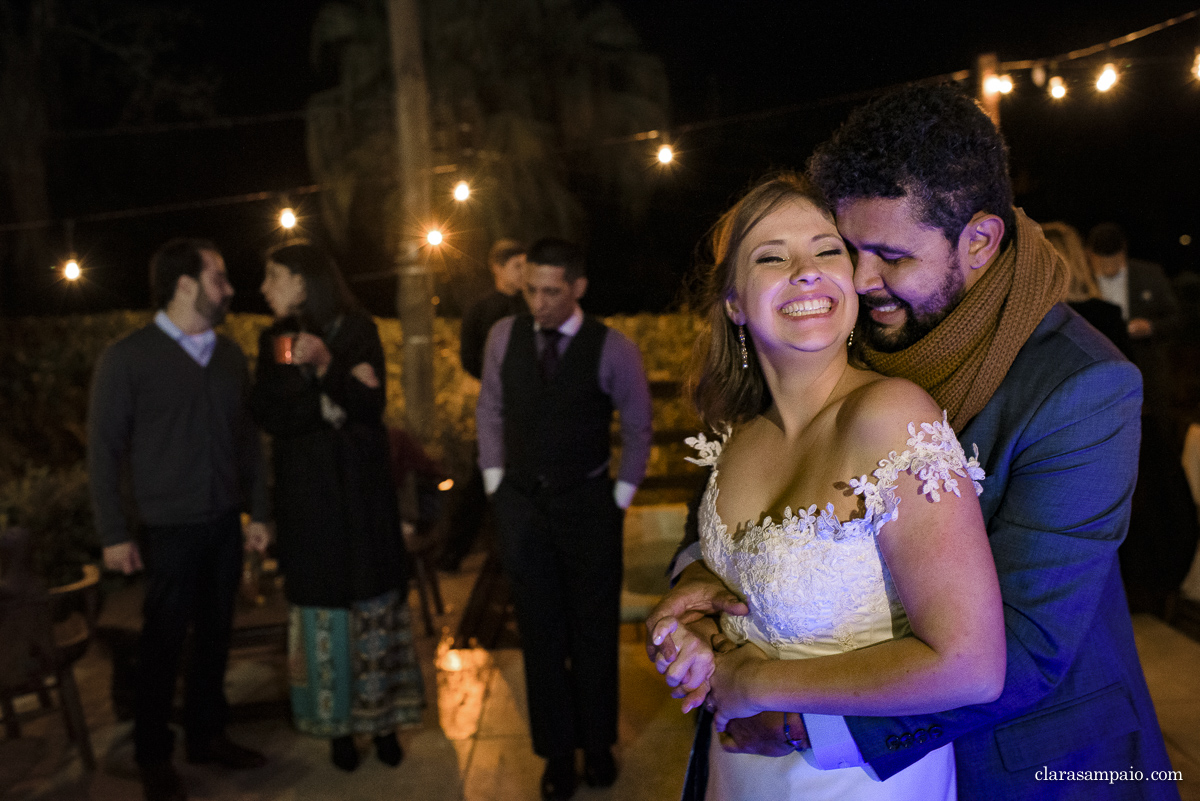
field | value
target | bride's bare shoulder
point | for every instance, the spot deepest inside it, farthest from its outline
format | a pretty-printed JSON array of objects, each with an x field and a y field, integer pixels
[{"x": 877, "y": 413}]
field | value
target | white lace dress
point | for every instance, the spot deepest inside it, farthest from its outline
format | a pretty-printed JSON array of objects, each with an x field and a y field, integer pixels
[{"x": 815, "y": 586}]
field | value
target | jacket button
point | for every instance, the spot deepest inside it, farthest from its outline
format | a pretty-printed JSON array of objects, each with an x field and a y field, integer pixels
[
  {"x": 892, "y": 743},
  {"x": 906, "y": 741},
  {"x": 935, "y": 732},
  {"x": 919, "y": 735}
]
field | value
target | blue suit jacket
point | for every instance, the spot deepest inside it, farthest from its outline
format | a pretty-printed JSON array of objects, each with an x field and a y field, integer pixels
[{"x": 1059, "y": 442}]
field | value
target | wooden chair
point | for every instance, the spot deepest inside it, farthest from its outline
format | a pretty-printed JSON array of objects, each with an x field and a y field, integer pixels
[
  {"x": 422, "y": 549},
  {"x": 44, "y": 632}
]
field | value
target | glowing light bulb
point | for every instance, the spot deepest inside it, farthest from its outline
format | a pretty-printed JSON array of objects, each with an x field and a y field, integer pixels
[
  {"x": 1004, "y": 85},
  {"x": 434, "y": 237},
  {"x": 462, "y": 191},
  {"x": 1107, "y": 79},
  {"x": 991, "y": 84},
  {"x": 665, "y": 154},
  {"x": 1196, "y": 64},
  {"x": 287, "y": 219},
  {"x": 446, "y": 485},
  {"x": 71, "y": 270},
  {"x": 1058, "y": 89}
]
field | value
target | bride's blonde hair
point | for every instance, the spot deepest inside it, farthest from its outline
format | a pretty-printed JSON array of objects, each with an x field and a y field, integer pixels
[{"x": 723, "y": 392}]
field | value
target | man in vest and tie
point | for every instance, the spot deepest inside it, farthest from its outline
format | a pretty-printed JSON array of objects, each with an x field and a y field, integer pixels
[{"x": 551, "y": 380}]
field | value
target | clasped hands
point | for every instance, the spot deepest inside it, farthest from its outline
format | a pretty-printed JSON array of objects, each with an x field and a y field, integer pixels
[
  {"x": 703, "y": 666},
  {"x": 311, "y": 349}
]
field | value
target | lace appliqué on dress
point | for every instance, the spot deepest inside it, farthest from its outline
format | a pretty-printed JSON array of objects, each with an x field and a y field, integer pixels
[{"x": 812, "y": 579}]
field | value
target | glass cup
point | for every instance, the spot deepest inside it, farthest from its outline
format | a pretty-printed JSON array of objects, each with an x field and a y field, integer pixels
[{"x": 283, "y": 348}]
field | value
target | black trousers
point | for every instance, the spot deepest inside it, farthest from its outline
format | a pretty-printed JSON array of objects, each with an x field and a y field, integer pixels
[
  {"x": 562, "y": 554},
  {"x": 192, "y": 576}
]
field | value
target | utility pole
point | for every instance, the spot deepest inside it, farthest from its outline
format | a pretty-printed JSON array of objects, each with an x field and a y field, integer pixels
[
  {"x": 986, "y": 65},
  {"x": 414, "y": 290}
]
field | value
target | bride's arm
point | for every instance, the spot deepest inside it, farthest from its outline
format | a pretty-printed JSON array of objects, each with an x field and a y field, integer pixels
[{"x": 939, "y": 559}]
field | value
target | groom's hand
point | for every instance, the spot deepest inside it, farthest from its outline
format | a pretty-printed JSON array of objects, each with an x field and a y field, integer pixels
[
  {"x": 762, "y": 734},
  {"x": 698, "y": 593}
]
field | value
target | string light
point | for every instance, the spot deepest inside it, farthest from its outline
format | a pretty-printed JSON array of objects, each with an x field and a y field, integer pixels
[
  {"x": 448, "y": 484},
  {"x": 462, "y": 191},
  {"x": 434, "y": 237},
  {"x": 1001, "y": 84},
  {"x": 72, "y": 270},
  {"x": 1107, "y": 79},
  {"x": 665, "y": 155}
]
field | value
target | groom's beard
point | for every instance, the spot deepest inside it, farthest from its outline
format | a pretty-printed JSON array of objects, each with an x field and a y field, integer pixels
[{"x": 917, "y": 322}]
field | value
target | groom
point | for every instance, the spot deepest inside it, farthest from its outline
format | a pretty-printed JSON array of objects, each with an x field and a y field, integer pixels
[{"x": 959, "y": 293}]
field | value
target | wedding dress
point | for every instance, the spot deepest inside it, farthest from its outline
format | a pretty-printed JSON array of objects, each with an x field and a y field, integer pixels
[{"x": 817, "y": 585}]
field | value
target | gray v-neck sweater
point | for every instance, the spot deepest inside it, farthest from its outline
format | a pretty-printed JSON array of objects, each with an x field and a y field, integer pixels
[{"x": 178, "y": 432}]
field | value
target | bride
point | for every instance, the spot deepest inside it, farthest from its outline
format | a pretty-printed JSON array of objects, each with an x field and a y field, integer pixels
[{"x": 840, "y": 507}]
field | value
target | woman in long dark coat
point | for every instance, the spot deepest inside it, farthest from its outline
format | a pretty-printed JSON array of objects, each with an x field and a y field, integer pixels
[{"x": 319, "y": 392}]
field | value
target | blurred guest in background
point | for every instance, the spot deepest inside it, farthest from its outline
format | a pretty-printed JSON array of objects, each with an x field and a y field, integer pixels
[
  {"x": 319, "y": 392},
  {"x": 551, "y": 381},
  {"x": 506, "y": 261},
  {"x": 1147, "y": 302},
  {"x": 1082, "y": 294},
  {"x": 168, "y": 411}
]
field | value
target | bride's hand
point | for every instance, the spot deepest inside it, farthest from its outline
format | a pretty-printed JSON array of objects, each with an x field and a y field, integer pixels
[
  {"x": 687, "y": 673},
  {"x": 731, "y": 682}
]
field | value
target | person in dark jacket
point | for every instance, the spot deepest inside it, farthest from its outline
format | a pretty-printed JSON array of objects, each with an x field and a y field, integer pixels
[
  {"x": 1082, "y": 293},
  {"x": 319, "y": 392},
  {"x": 168, "y": 413}
]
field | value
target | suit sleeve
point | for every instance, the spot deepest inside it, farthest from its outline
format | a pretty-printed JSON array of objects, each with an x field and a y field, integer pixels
[
  {"x": 1054, "y": 536},
  {"x": 252, "y": 469},
  {"x": 110, "y": 430},
  {"x": 356, "y": 343}
]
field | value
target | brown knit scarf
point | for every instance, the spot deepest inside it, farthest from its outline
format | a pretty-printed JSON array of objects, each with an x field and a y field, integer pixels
[{"x": 962, "y": 361}]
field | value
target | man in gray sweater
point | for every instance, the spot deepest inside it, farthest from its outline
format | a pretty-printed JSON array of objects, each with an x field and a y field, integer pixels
[{"x": 168, "y": 421}]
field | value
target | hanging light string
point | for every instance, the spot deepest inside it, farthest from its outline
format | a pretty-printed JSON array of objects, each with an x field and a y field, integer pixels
[
  {"x": 166, "y": 208},
  {"x": 754, "y": 116},
  {"x": 1100, "y": 48}
]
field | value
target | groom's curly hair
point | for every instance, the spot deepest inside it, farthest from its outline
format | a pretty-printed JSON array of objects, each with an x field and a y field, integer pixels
[{"x": 928, "y": 142}]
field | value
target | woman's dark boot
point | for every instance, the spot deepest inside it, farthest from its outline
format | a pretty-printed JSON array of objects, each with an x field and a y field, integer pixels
[
  {"x": 388, "y": 749},
  {"x": 343, "y": 753}
]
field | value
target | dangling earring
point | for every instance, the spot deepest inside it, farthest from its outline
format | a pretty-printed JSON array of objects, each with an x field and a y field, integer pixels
[
  {"x": 745, "y": 353},
  {"x": 850, "y": 341}
]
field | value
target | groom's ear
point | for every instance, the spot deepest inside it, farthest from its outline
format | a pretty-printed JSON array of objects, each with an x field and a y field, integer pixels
[
  {"x": 733, "y": 310},
  {"x": 979, "y": 244}
]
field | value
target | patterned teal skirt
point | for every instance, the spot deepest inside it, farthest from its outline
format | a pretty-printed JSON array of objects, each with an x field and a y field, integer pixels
[{"x": 354, "y": 671}]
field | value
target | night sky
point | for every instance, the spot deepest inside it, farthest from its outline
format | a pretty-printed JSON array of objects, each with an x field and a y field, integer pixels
[{"x": 1129, "y": 156}]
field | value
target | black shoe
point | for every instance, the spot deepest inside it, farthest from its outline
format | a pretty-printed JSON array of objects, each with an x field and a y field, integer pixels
[
  {"x": 388, "y": 749},
  {"x": 558, "y": 781},
  {"x": 599, "y": 768},
  {"x": 343, "y": 753},
  {"x": 160, "y": 782},
  {"x": 226, "y": 753}
]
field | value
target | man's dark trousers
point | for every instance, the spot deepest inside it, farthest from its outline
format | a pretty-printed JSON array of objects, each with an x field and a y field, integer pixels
[
  {"x": 192, "y": 576},
  {"x": 562, "y": 554}
]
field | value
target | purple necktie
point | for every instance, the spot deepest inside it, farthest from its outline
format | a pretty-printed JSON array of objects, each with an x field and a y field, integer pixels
[{"x": 549, "y": 358}]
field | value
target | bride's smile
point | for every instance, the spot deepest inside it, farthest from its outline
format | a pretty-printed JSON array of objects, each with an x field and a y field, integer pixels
[{"x": 794, "y": 289}]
